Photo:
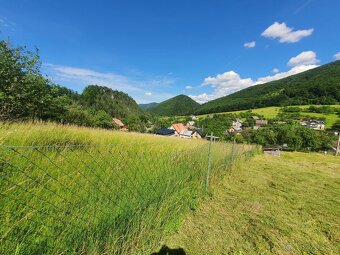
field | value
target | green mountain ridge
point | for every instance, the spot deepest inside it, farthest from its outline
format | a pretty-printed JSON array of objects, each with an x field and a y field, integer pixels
[
  {"x": 147, "y": 106},
  {"x": 178, "y": 105},
  {"x": 320, "y": 85}
]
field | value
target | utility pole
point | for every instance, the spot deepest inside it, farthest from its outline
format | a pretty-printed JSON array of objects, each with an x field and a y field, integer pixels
[{"x": 209, "y": 164}]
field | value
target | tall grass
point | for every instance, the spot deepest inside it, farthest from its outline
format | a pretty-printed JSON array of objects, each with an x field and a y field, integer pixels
[{"x": 72, "y": 190}]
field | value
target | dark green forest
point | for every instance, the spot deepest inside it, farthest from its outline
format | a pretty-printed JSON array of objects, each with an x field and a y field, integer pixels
[
  {"x": 317, "y": 86},
  {"x": 25, "y": 94},
  {"x": 178, "y": 105}
]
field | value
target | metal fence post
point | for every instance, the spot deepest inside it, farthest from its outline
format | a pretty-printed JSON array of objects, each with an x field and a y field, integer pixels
[
  {"x": 232, "y": 151},
  {"x": 209, "y": 163},
  {"x": 338, "y": 146}
]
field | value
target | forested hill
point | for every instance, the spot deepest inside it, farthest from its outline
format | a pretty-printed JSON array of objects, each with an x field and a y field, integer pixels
[
  {"x": 148, "y": 106},
  {"x": 178, "y": 105},
  {"x": 113, "y": 102},
  {"x": 317, "y": 86},
  {"x": 25, "y": 94}
]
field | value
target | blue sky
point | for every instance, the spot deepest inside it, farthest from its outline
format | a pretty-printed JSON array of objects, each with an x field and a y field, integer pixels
[{"x": 157, "y": 49}]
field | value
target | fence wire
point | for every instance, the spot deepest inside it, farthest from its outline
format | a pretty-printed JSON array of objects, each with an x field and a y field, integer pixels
[{"x": 67, "y": 199}]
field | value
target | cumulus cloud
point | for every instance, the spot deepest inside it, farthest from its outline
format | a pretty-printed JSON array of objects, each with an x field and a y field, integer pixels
[
  {"x": 223, "y": 84},
  {"x": 136, "y": 86},
  {"x": 337, "y": 56},
  {"x": 286, "y": 34},
  {"x": 294, "y": 70},
  {"x": 304, "y": 58},
  {"x": 230, "y": 82},
  {"x": 188, "y": 87},
  {"x": 250, "y": 44},
  {"x": 203, "y": 98}
]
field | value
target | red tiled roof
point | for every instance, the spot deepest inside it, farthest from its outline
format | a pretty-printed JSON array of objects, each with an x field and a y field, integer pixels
[
  {"x": 118, "y": 122},
  {"x": 179, "y": 127}
]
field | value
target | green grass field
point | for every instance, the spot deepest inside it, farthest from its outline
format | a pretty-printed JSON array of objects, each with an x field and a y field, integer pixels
[
  {"x": 272, "y": 112},
  {"x": 92, "y": 191},
  {"x": 273, "y": 205}
]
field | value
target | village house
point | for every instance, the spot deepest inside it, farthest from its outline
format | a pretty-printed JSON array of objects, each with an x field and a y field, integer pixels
[
  {"x": 192, "y": 134},
  {"x": 191, "y": 124},
  {"x": 313, "y": 124},
  {"x": 236, "y": 126},
  {"x": 179, "y": 128},
  {"x": 186, "y": 131},
  {"x": 120, "y": 124}
]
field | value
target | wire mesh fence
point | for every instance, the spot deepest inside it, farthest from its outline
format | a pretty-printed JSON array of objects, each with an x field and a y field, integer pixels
[{"x": 100, "y": 198}]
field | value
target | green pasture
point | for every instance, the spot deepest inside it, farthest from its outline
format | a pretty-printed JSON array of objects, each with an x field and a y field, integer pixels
[{"x": 272, "y": 112}]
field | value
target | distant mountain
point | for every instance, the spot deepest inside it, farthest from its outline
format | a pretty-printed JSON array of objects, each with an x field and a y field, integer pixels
[
  {"x": 178, "y": 105},
  {"x": 147, "y": 106},
  {"x": 115, "y": 103},
  {"x": 320, "y": 85}
]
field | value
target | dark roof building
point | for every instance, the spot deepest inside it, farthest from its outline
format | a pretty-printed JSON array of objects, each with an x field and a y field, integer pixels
[{"x": 165, "y": 131}]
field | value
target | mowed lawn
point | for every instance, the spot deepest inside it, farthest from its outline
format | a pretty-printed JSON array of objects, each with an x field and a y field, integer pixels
[{"x": 271, "y": 205}]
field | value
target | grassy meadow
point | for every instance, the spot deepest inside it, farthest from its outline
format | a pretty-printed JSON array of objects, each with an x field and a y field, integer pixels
[
  {"x": 78, "y": 190},
  {"x": 273, "y": 111},
  {"x": 273, "y": 205}
]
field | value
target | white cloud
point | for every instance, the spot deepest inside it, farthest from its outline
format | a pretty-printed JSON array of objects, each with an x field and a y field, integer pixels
[
  {"x": 230, "y": 82},
  {"x": 136, "y": 86},
  {"x": 250, "y": 44},
  {"x": 294, "y": 70},
  {"x": 337, "y": 56},
  {"x": 227, "y": 82},
  {"x": 3, "y": 23},
  {"x": 203, "y": 98},
  {"x": 285, "y": 34},
  {"x": 6, "y": 25},
  {"x": 223, "y": 84},
  {"x": 304, "y": 58},
  {"x": 188, "y": 87},
  {"x": 62, "y": 74}
]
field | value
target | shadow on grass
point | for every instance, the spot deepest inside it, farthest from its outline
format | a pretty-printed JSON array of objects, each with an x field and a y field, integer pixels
[{"x": 165, "y": 250}]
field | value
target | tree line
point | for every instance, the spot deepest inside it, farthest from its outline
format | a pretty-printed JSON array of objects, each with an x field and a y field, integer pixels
[{"x": 25, "y": 94}]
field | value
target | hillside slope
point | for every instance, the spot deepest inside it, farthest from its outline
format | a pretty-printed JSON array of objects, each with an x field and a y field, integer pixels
[
  {"x": 178, "y": 105},
  {"x": 317, "y": 86}
]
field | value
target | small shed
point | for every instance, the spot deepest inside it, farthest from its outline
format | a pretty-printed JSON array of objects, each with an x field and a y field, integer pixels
[
  {"x": 260, "y": 123},
  {"x": 213, "y": 138},
  {"x": 273, "y": 150}
]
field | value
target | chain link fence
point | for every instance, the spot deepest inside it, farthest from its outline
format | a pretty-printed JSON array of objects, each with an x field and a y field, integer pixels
[{"x": 95, "y": 199}]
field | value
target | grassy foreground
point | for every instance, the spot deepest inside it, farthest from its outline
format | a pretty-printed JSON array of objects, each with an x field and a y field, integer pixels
[
  {"x": 287, "y": 205},
  {"x": 92, "y": 191}
]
